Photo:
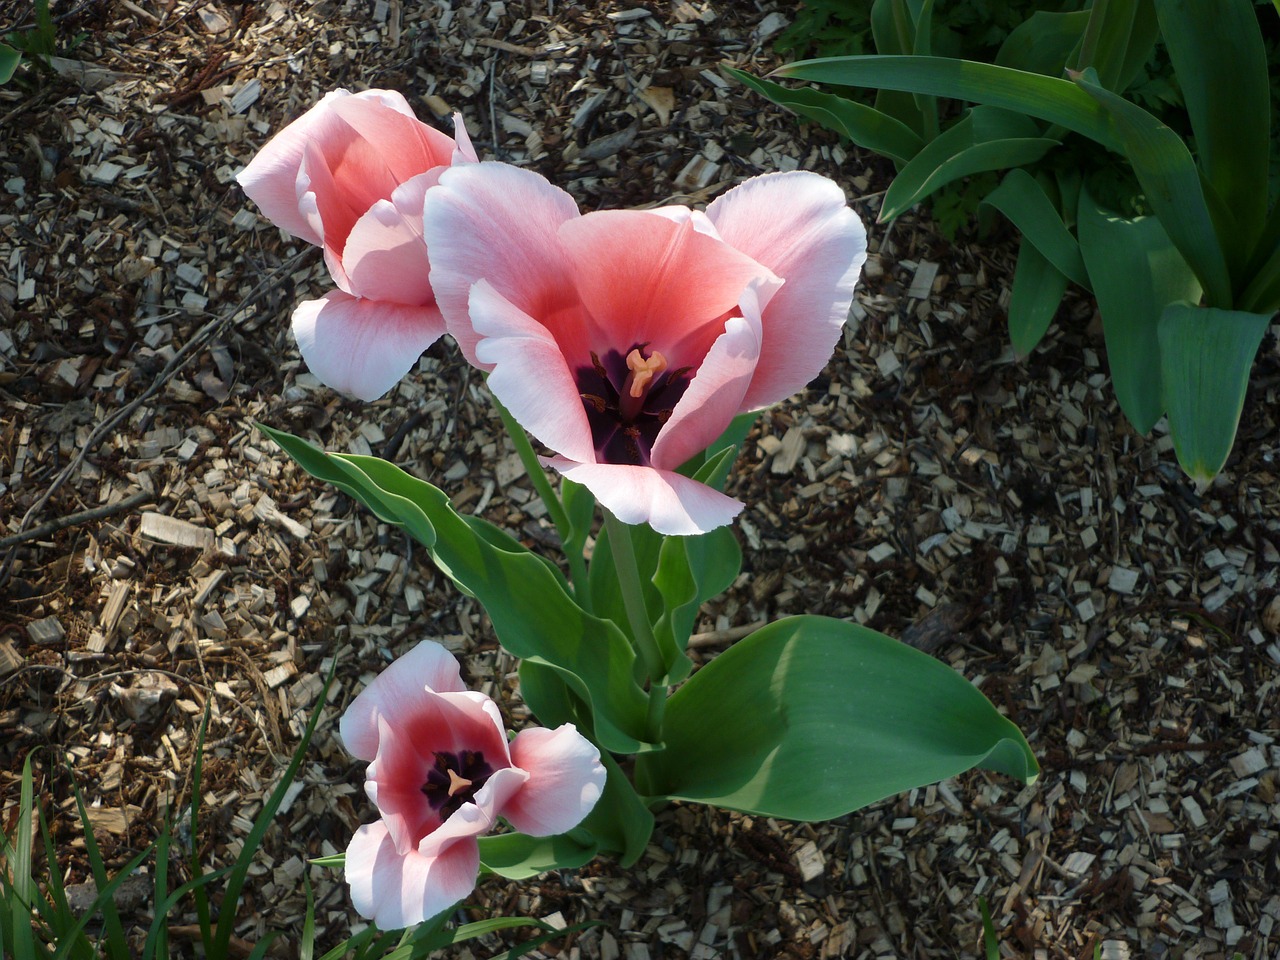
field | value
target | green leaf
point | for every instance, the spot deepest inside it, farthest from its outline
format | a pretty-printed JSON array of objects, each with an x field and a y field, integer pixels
[
  {"x": 527, "y": 599},
  {"x": 1205, "y": 357},
  {"x": 865, "y": 126},
  {"x": 518, "y": 857},
  {"x": 548, "y": 696},
  {"x": 9, "y": 60},
  {"x": 893, "y": 30},
  {"x": 810, "y": 718},
  {"x": 986, "y": 138},
  {"x": 1143, "y": 35},
  {"x": 1046, "y": 98},
  {"x": 1217, "y": 53},
  {"x": 1117, "y": 22},
  {"x": 113, "y": 930},
  {"x": 691, "y": 570},
  {"x": 1028, "y": 207},
  {"x": 1136, "y": 270},
  {"x": 1037, "y": 292},
  {"x": 1172, "y": 186},
  {"x": 619, "y": 822},
  {"x": 1043, "y": 43},
  {"x": 22, "y": 892}
]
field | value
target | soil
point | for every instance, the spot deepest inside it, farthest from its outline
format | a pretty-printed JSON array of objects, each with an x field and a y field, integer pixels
[{"x": 159, "y": 556}]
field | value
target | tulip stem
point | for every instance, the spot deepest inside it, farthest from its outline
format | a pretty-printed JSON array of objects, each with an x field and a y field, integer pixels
[
  {"x": 624, "y": 562},
  {"x": 569, "y": 539}
]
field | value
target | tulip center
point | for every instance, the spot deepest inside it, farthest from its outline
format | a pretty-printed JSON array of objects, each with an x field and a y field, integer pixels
[
  {"x": 454, "y": 779},
  {"x": 628, "y": 397}
]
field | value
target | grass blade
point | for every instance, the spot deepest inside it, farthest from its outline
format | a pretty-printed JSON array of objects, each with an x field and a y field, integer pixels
[{"x": 113, "y": 931}]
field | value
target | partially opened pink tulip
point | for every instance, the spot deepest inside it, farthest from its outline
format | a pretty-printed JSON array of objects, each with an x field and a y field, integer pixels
[
  {"x": 627, "y": 340},
  {"x": 441, "y": 773},
  {"x": 350, "y": 176}
]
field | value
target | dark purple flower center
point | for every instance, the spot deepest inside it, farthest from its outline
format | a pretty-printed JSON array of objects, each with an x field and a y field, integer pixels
[
  {"x": 454, "y": 779},
  {"x": 628, "y": 397}
]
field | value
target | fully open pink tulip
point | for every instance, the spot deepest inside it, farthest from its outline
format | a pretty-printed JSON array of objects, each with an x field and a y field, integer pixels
[
  {"x": 628, "y": 340},
  {"x": 350, "y": 176},
  {"x": 441, "y": 773}
]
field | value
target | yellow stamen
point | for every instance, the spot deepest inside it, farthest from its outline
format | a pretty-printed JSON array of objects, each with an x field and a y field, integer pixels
[
  {"x": 457, "y": 783},
  {"x": 644, "y": 370}
]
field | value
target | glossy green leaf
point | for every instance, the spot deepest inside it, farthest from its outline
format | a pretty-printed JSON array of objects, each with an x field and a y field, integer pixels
[
  {"x": 620, "y": 822},
  {"x": 1024, "y": 202},
  {"x": 1136, "y": 270},
  {"x": 9, "y": 60},
  {"x": 527, "y": 599},
  {"x": 1046, "y": 98},
  {"x": 1216, "y": 50},
  {"x": 518, "y": 856},
  {"x": 1172, "y": 186},
  {"x": 986, "y": 138},
  {"x": 691, "y": 570},
  {"x": 1043, "y": 43},
  {"x": 547, "y": 694},
  {"x": 1037, "y": 292},
  {"x": 865, "y": 126},
  {"x": 811, "y": 718},
  {"x": 1205, "y": 358}
]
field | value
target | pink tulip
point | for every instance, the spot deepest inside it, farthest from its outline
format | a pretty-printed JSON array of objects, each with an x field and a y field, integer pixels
[
  {"x": 628, "y": 340},
  {"x": 350, "y": 176},
  {"x": 441, "y": 772}
]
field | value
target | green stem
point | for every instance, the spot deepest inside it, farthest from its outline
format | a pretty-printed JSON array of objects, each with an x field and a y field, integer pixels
[
  {"x": 577, "y": 566},
  {"x": 624, "y": 562}
]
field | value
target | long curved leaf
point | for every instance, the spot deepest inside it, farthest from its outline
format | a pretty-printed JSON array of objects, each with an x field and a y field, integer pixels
[
  {"x": 810, "y": 718},
  {"x": 1043, "y": 43},
  {"x": 866, "y": 126},
  {"x": 518, "y": 856},
  {"x": 1172, "y": 185},
  {"x": 1024, "y": 202},
  {"x": 1205, "y": 358},
  {"x": 966, "y": 148},
  {"x": 1037, "y": 292},
  {"x": 1046, "y": 98}
]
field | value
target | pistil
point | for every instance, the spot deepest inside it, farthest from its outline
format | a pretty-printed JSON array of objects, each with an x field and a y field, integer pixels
[{"x": 643, "y": 370}]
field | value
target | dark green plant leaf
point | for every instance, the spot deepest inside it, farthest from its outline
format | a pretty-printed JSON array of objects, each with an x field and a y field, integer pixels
[
  {"x": 811, "y": 718},
  {"x": 1172, "y": 186},
  {"x": 1216, "y": 50},
  {"x": 1143, "y": 34},
  {"x": 1024, "y": 201},
  {"x": 517, "y": 856},
  {"x": 1205, "y": 357},
  {"x": 528, "y": 601},
  {"x": 1043, "y": 43},
  {"x": 893, "y": 30},
  {"x": 620, "y": 822},
  {"x": 9, "y": 60},
  {"x": 1046, "y": 98},
  {"x": 1037, "y": 292},
  {"x": 691, "y": 570},
  {"x": 863, "y": 125},
  {"x": 1136, "y": 270},
  {"x": 987, "y": 138}
]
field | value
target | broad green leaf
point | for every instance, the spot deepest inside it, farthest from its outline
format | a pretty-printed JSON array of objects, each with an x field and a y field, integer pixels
[
  {"x": 1172, "y": 186},
  {"x": 893, "y": 30},
  {"x": 1143, "y": 35},
  {"x": 1024, "y": 201},
  {"x": 691, "y": 570},
  {"x": 1205, "y": 357},
  {"x": 548, "y": 695},
  {"x": 865, "y": 126},
  {"x": 527, "y": 599},
  {"x": 810, "y": 718},
  {"x": 985, "y": 139},
  {"x": 1046, "y": 98},
  {"x": 518, "y": 856},
  {"x": 1135, "y": 270},
  {"x": 1043, "y": 43},
  {"x": 1216, "y": 50},
  {"x": 619, "y": 822},
  {"x": 1263, "y": 293},
  {"x": 922, "y": 46},
  {"x": 580, "y": 506},
  {"x": 1116, "y": 29},
  {"x": 9, "y": 60},
  {"x": 1037, "y": 292}
]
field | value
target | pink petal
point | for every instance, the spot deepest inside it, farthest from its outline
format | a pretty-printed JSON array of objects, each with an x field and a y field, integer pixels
[
  {"x": 270, "y": 179},
  {"x": 496, "y": 222},
  {"x": 566, "y": 779},
  {"x": 402, "y": 689},
  {"x": 403, "y": 145},
  {"x": 529, "y": 373},
  {"x": 714, "y": 396},
  {"x": 394, "y": 784},
  {"x": 328, "y": 212},
  {"x": 363, "y": 347},
  {"x": 385, "y": 257},
  {"x": 463, "y": 152},
  {"x": 667, "y": 501},
  {"x": 397, "y": 891},
  {"x": 652, "y": 279},
  {"x": 799, "y": 226},
  {"x": 478, "y": 816}
]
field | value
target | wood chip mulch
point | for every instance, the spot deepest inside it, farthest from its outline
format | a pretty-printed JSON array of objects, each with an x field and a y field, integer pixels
[{"x": 158, "y": 556}]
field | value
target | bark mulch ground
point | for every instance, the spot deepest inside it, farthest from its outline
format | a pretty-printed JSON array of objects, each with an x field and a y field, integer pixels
[{"x": 157, "y": 555}]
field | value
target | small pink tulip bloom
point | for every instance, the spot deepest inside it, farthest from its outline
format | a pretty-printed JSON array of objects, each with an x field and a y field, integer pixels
[
  {"x": 628, "y": 340},
  {"x": 441, "y": 772},
  {"x": 350, "y": 176}
]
